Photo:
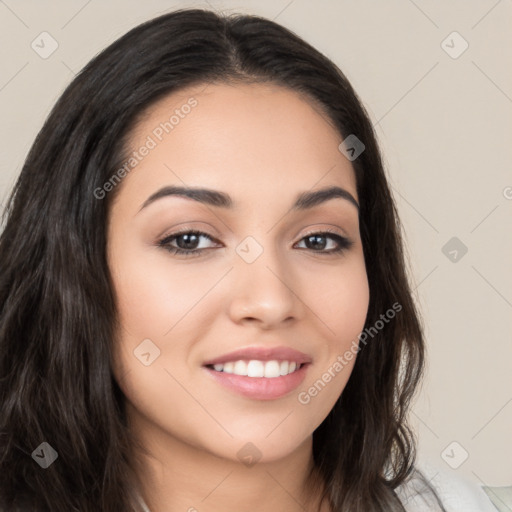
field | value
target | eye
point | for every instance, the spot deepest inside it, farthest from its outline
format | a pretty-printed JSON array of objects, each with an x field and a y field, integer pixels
[
  {"x": 187, "y": 243},
  {"x": 326, "y": 242}
]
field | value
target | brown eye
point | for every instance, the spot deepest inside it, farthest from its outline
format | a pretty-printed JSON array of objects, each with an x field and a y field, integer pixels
[
  {"x": 326, "y": 242},
  {"x": 185, "y": 242}
]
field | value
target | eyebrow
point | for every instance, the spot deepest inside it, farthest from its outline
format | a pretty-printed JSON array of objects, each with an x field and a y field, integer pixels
[{"x": 304, "y": 201}]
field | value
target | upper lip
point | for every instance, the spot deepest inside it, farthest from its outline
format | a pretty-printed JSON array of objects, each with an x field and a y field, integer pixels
[{"x": 262, "y": 354}]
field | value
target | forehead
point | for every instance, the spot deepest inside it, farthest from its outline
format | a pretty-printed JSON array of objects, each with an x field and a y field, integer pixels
[{"x": 247, "y": 138}]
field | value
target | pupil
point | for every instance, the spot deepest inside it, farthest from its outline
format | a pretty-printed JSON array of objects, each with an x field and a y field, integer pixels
[
  {"x": 190, "y": 241},
  {"x": 318, "y": 241}
]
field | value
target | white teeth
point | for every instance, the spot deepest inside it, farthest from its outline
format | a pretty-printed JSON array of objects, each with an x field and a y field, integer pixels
[
  {"x": 255, "y": 368},
  {"x": 229, "y": 368},
  {"x": 240, "y": 368},
  {"x": 272, "y": 369}
]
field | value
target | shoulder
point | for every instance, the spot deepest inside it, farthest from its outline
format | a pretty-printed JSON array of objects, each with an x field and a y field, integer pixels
[{"x": 431, "y": 489}]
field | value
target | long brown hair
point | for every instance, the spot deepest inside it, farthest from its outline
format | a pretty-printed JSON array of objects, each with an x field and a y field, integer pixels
[{"x": 58, "y": 315}]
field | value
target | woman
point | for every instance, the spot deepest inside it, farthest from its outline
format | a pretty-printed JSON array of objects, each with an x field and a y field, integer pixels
[{"x": 204, "y": 303}]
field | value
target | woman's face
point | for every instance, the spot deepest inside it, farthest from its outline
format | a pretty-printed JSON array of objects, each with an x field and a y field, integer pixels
[{"x": 262, "y": 287}]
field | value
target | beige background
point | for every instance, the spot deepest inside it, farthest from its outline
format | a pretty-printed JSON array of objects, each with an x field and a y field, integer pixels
[{"x": 445, "y": 128}]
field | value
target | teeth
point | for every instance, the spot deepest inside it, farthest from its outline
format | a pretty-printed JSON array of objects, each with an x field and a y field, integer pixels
[
  {"x": 255, "y": 368},
  {"x": 272, "y": 369},
  {"x": 240, "y": 368},
  {"x": 229, "y": 367}
]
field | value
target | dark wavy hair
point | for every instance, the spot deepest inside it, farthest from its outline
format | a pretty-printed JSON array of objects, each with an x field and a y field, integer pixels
[{"x": 58, "y": 315}]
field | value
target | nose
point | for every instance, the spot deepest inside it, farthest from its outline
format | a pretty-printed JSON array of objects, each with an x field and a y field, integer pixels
[{"x": 265, "y": 292}]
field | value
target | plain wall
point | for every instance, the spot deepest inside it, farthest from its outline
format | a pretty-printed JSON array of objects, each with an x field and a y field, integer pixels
[{"x": 444, "y": 124}]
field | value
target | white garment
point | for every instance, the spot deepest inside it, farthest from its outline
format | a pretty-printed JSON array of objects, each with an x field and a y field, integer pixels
[{"x": 455, "y": 493}]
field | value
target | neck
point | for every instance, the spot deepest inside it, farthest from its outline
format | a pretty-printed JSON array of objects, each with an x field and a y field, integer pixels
[{"x": 174, "y": 475}]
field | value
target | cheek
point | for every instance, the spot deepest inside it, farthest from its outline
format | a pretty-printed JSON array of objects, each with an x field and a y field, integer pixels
[
  {"x": 153, "y": 295},
  {"x": 340, "y": 297},
  {"x": 341, "y": 301},
  {"x": 163, "y": 303}
]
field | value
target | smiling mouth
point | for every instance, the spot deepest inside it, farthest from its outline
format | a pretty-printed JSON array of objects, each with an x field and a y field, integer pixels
[
  {"x": 255, "y": 368},
  {"x": 259, "y": 380}
]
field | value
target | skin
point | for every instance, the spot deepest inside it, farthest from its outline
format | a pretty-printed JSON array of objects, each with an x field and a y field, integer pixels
[{"x": 263, "y": 145}]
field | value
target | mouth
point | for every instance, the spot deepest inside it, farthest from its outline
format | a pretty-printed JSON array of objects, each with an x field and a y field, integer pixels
[
  {"x": 259, "y": 374},
  {"x": 256, "y": 369}
]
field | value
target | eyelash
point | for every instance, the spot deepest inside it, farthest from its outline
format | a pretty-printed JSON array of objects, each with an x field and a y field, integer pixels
[{"x": 343, "y": 243}]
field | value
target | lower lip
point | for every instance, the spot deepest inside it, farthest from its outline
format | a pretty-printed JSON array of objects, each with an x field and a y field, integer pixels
[{"x": 260, "y": 388}]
